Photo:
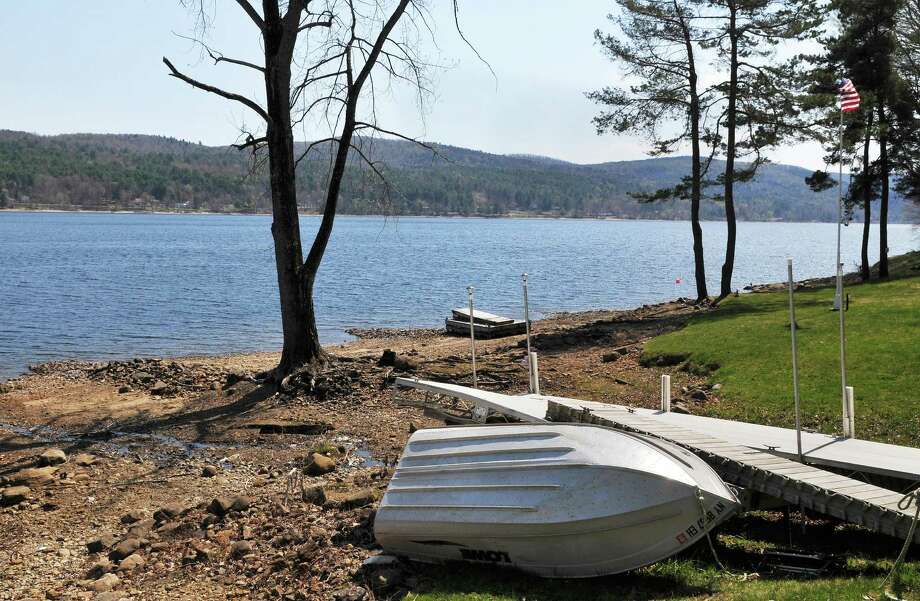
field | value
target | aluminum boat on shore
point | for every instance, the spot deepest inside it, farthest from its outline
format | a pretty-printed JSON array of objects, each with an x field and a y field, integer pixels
[{"x": 565, "y": 501}]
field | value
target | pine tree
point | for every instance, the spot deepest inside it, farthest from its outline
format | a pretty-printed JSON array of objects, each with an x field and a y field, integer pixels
[
  {"x": 657, "y": 46},
  {"x": 758, "y": 110}
]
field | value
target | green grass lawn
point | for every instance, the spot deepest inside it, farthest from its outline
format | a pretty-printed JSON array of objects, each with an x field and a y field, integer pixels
[{"x": 748, "y": 337}]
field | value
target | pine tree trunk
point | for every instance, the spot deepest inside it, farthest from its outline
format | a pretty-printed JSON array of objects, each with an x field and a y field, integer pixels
[
  {"x": 696, "y": 175},
  {"x": 867, "y": 202},
  {"x": 729, "y": 264},
  {"x": 883, "y": 203}
]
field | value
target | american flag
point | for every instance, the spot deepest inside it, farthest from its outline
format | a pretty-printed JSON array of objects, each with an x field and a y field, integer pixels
[{"x": 849, "y": 97}]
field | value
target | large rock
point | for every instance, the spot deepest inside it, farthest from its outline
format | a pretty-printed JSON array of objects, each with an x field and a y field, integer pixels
[
  {"x": 320, "y": 464},
  {"x": 14, "y": 495},
  {"x": 33, "y": 476},
  {"x": 52, "y": 457}
]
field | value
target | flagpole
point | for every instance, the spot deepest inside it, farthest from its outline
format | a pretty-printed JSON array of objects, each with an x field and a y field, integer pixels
[{"x": 838, "y": 300}]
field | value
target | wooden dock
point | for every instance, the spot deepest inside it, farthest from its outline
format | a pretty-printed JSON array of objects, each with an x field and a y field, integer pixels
[
  {"x": 822, "y": 491},
  {"x": 485, "y": 325}
]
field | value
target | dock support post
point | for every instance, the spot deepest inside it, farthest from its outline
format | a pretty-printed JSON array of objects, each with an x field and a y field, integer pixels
[
  {"x": 665, "y": 393},
  {"x": 851, "y": 414},
  {"x": 534, "y": 373},
  {"x": 795, "y": 362},
  {"x": 469, "y": 292},
  {"x": 533, "y": 385}
]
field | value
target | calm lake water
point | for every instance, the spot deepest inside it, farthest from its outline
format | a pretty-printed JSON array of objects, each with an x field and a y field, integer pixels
[{"x": 101, "y": 286}]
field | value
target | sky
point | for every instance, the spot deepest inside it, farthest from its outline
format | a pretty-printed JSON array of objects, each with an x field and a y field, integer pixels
[{"x": 96, "y": 66}]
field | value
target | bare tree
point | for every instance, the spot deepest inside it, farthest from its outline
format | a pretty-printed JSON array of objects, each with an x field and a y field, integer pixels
[{"x": 320, "y": 59}]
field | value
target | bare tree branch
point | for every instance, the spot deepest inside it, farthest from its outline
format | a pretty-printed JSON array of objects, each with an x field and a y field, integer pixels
[
  {"x": 214, "y": 90},
  {"x": 220, "y": 58},
  {"x": 253, "y": 14}
]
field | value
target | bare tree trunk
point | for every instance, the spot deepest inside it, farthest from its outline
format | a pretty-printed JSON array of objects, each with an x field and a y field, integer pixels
[
  {"x": 883, "y": 203},
  {"x": 867, "y": 202},
  {"x": 729, "y": 264},
  {"x": 298, "y": 322},
  {"x": 699, "y": 262}
]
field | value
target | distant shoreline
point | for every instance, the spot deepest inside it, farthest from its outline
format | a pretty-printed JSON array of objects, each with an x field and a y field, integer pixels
[{"x": 309, "y": 214}]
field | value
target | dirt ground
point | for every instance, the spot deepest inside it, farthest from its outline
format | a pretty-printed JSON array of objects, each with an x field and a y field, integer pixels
[{"x": 187, "y": 479}]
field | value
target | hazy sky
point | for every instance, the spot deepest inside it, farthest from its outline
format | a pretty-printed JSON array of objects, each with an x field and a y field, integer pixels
[{"x": 95, "y": 66}]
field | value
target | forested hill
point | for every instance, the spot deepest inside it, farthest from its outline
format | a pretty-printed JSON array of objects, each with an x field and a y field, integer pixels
[{"x": 139, "y": 172}]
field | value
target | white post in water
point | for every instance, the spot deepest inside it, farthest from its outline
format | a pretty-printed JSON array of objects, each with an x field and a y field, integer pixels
[
  {"x": 533, "y": 386},
  {"x": 665, "y": 393},
  {"x": 469, "y": 292},
  {"x": 851, "y": 413},
  {"x": 795, "y": 363},
  {"x": 535, "y": 372}
]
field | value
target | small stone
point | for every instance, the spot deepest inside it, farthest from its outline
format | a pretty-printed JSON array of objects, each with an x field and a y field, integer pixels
[
  {"x": 240, "y": 503},
  {"x": 108, "y": 596},
  {"x": 167, "y": 512},
  {"x": 105, "y": 583},
  {"x": 159, "y": 388},
  {"x": 699, "y": 395},
  {"x": 125, "y": 548},
  {"x": 14, "y": 495},
  {"x": 319, "y": 465},
  {"x": 124, "y": 389},
  {"x": 209, "y": 471},
  {"x": 355, "y": 499},
  {"x": 131, "y": 562},
  {"x": 100, "y": 568},
  {"x": 143, "y": 377},
  {"x": 240, "y": 548},
  {"x": 141, "y": 529},
  {"x": 100, "y": 544},
  {"x": 32, "y": 476},
  {"x": 159, "y": 546},
  {"x": 315, "y": 495},
  {"x": 64, "y": 553},
  {"x": 85, "y": 459},
  {"x": 609, "y": 357},
  {"x": 717, "y": 387},
  {"x": 52, "y": 457},
  {"x": 132, "y": 516},
  {"x": 220, "y": 506},
  {"x": 351, "y": 593}
]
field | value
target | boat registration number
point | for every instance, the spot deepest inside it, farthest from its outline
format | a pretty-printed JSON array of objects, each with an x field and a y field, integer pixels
[{"x": 700, "y": 524}]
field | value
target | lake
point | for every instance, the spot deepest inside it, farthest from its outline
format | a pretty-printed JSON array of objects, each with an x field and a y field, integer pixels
[{"x": 101, "y": 286}]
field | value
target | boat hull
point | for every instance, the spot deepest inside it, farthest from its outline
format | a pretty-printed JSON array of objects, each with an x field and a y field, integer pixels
[{"x": 544, "y": 499}]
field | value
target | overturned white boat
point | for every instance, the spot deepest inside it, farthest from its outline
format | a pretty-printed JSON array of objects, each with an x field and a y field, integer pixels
[{"x": 565, "y": 501}]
